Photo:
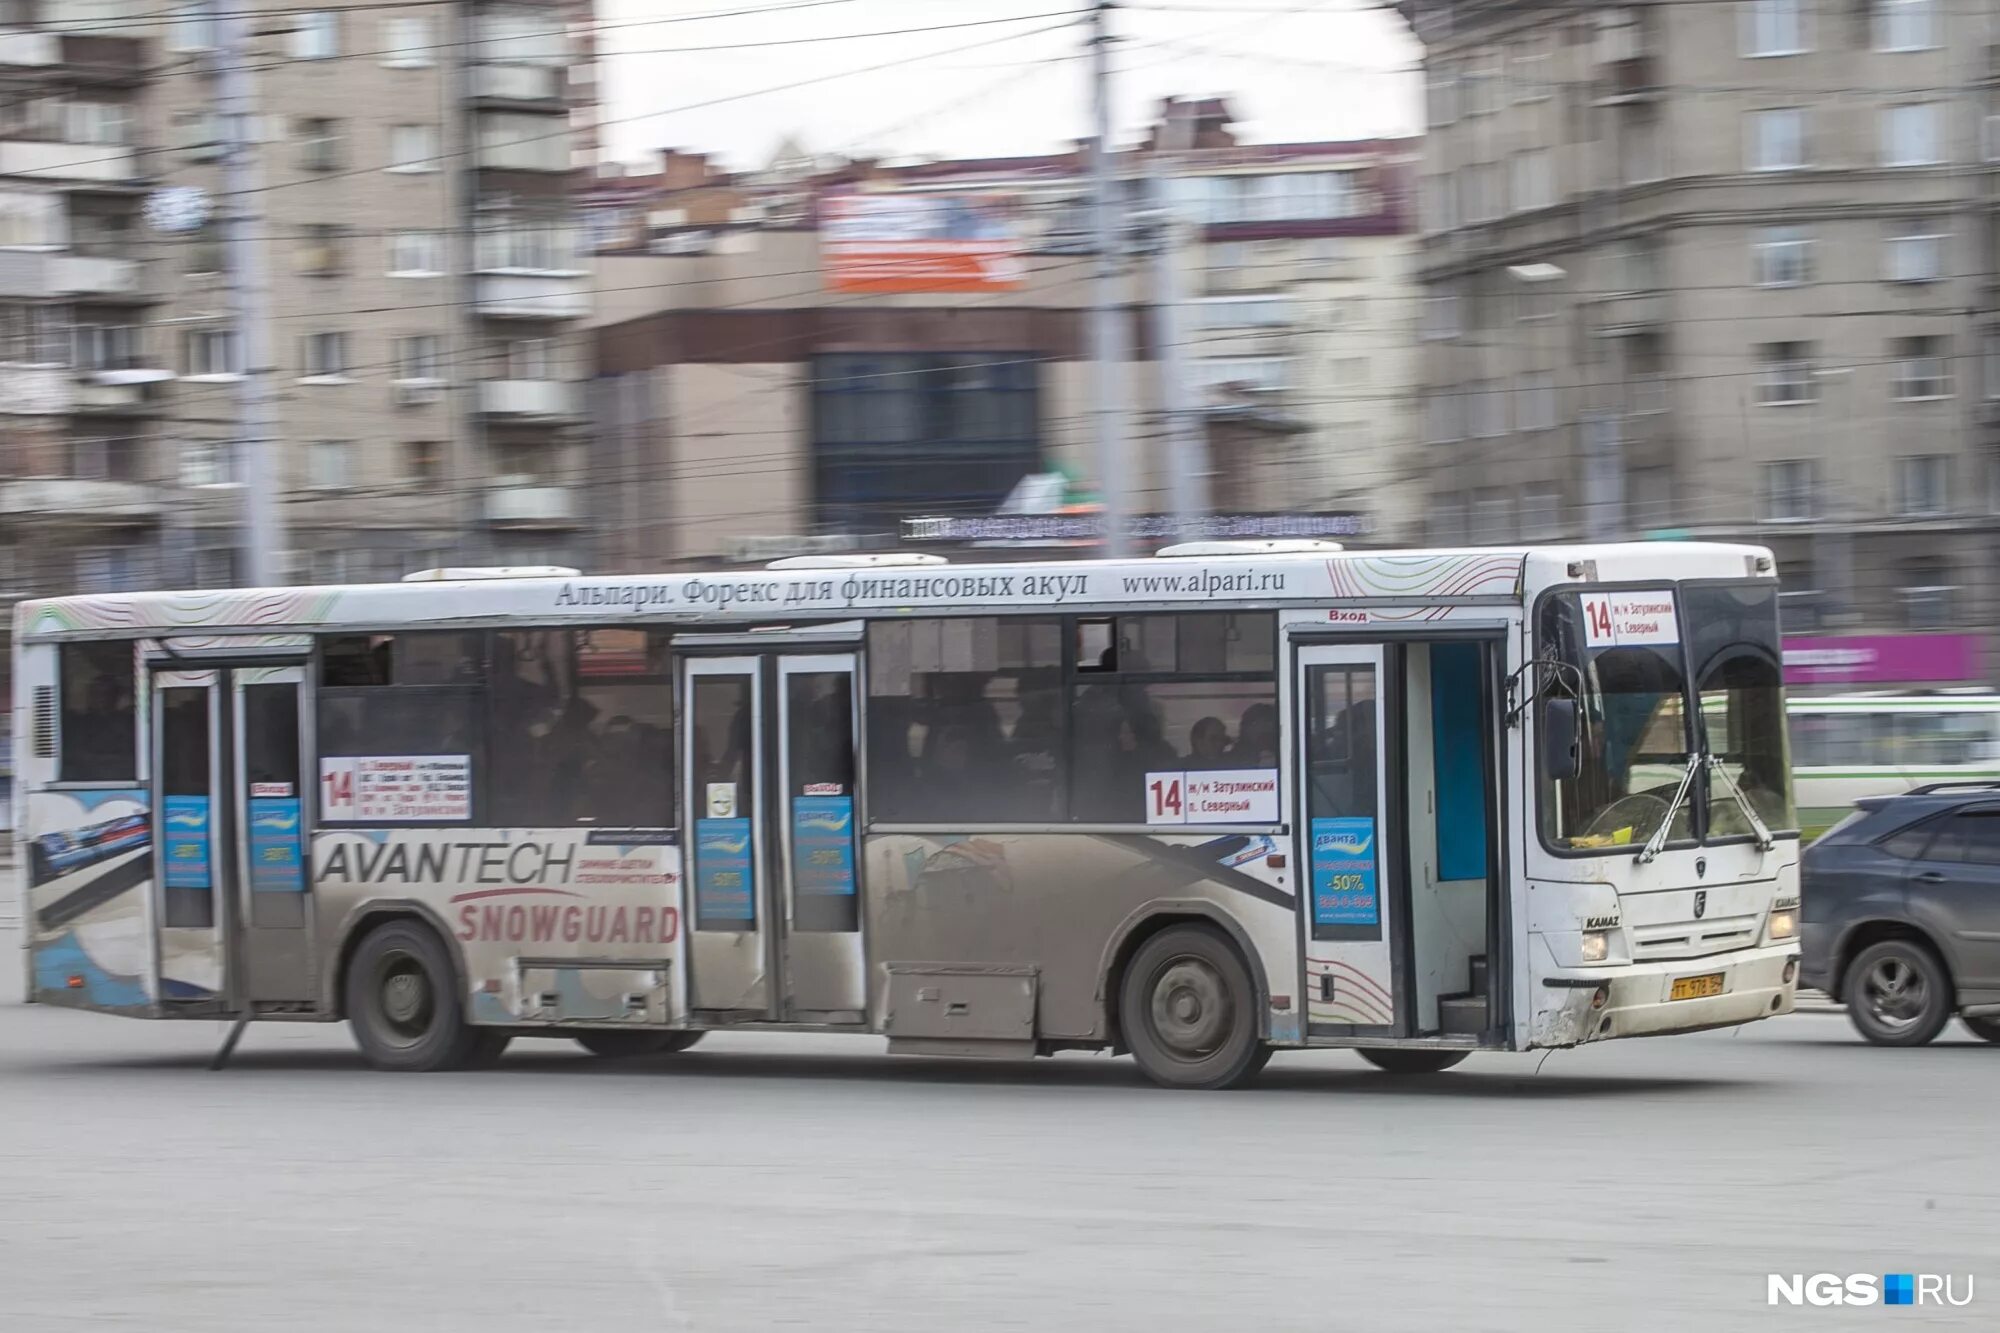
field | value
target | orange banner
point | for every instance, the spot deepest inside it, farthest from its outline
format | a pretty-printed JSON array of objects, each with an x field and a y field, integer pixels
[{"x": 922, "y": 242}]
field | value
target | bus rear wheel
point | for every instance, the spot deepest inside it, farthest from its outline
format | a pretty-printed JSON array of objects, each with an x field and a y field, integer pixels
[
  {"x": 404, "y": 1006},
  {"x": 1187, "y": 1011},
  {"x": 1399, "y": 1060},
  {"x": 618, "y": 1045}
]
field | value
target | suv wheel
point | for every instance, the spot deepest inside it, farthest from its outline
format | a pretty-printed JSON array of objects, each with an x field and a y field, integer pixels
[{"x": 1898, "y": 994}]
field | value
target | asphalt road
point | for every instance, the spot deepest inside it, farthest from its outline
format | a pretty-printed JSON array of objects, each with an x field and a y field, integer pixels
[{"x": 813, "y": 1182}]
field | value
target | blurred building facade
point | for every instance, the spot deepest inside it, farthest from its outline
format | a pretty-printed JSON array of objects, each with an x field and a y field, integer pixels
[
  {"x": 1724, "y": 270},
  {"x": 412, "y": 211},
  {"x": 748, "y": 400}
]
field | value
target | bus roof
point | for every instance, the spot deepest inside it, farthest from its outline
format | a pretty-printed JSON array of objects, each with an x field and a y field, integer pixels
[{"x": 1464, "y": 576}]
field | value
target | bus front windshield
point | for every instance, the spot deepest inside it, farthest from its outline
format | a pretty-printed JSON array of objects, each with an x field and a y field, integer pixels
[{"x": 1634, "y": 740}]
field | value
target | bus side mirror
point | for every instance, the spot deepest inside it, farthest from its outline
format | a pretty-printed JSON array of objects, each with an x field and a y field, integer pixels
[{"x": 1559, "y": 739}]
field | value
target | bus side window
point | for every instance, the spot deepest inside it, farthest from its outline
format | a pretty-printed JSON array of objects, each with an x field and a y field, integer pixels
[{"x": 99, "y": 719}]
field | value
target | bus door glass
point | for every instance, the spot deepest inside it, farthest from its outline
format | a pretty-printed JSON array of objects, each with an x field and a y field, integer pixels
[
  {"x": 1346, "y": 834},
  {"x": 269, "y": 813},
  {"x": 825, "y": 972},
  {"x": 729, "y": 953},
  {"x": 189, "y": 804}
]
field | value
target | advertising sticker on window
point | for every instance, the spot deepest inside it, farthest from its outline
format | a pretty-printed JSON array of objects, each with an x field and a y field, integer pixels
[{"x": 396, "y": 789}]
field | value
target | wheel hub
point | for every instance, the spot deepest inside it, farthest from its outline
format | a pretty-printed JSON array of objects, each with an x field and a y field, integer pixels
[
  {"x": 406, "y": 996},
  {"x": 1191, "y": 1010},
  {"x": 1896, "y": 993}
]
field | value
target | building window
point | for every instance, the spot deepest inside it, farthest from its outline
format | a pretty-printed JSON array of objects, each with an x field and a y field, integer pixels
[
  {"x": 1443, "y": 99},
  {"x": 423, "y": 462},
  {"x": 1777, "y": 139},
  {"x": 1929, "y": 595},
  {"x": 1251, "y": 374},
  {"x": 1773, "y": 28},
  {"x": 419, "y": 357},
  {"x": 539, "y": 242},
  {"x": 1492, "y": 518},
  {"x": 413, "y": 148},
  {"x": 1534, "y": 179},
  {"x": 895, "y": 435},
  {"x": 415, "y": 254},
  {"x": 1922, "y": 368},
  {"x": 1905, "y": 25},
  {"x": 106, "y": 347},
  {"x": 205, "y": 463},
  {"x": 316, "y": 35},
  {"x": 1784, "y": 374},
  {"x": 192, "y": 27},
  {"x": 1910, "y": 135},
  {"x": 406, "y": 41},
  {"x": 330, "y": 464},
  {"x": 1444, "y": 413},
  {"x": 99, "y": 459},
  {"x": 31, "y": 219},
  {"x": 324, "y": 355},
  {"x": 215, "y": 567},
  {"x": 1529, "y": 72},
  {"x": 1791, "y": 490},
  {"x": 108, "y": 569},
  {"x": 522, "y": 141},
  {"x": 34, "y": 335},
  {"x": 319, "y": 142},
  {"x": 318, "y": 252},
  {"x": 1447, "y": 521},
  {"x": 1782, "y": 256},
  {"x": 1540, "y": 512},
  {"x": 1488, "y": 402},
  {"x": 1990, "y": 362},
  {"x": 1923, "y": 485},
  {"x": 528, "y": 358},
  {"x": 1535, "y": 405},
  {"x": 1441, "y": 318},
  {"x": 1915, "y": 251},
  {"x": 212, "y": 352}
]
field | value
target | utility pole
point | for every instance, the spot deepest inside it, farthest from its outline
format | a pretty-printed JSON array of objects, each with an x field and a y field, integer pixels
[
  {"x": 1109, "y": 335},
  {"x": 263, "y": 534},
  {"x": 1187, "y": 452}
]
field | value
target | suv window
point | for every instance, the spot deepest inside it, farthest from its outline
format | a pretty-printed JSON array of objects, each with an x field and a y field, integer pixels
[
  {"x": 1910, "y": 843},
  {"x": 1971, "y": 836}
]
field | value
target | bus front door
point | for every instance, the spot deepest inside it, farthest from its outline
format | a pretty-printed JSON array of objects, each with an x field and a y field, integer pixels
[
  {"x": 773, "y": 900},
  {"x": 230, "y": 815}
]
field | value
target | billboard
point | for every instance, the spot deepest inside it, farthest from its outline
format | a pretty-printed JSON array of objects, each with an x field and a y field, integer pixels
[
  {"x": 1884, "y": 659},
  {"x": 961, "y": 242}
]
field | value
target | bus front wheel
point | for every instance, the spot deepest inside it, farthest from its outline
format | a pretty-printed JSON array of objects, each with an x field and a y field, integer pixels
[
  {"x": 1187, "y": 1011},
  {"x": 404, "y": 1006},
  {"x": 623, "y": 1045},
  {"x": 1405, "y": 1060}
]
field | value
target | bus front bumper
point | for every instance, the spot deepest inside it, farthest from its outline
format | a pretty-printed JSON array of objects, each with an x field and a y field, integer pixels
[{"x": 1574, "y": 1005}]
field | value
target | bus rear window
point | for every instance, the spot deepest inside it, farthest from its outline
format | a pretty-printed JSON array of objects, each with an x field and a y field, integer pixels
[{"x": 99, "y": 722}]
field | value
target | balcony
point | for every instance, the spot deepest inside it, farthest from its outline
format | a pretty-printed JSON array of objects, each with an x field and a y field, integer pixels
[
  {"x": 523, "y": 501},
  {"x": 41, "y": 273},
  {"x": 85, "y": 499},
  {"x": 532, "y": 295},
  {"x": 528, "y": 400},
  {"x": 54, "y": 160},
  {"x": 36, "y": 390},
  {"x": 536, "y": 87},
  {"x": 30, "y": 50},
  {"x": 1633, "y": 79},
  {"x": 120, "y": 393}
]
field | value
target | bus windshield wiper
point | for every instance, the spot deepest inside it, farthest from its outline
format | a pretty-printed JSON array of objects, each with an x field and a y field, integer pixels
[
  {"x": 1658, "y": 842},
  {"x": 1765, "y": 841}
]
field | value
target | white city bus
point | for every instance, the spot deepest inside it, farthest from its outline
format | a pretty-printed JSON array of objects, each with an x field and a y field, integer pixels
[
  {"x": 1846, "y": 747},
  {"x": 1196, "y": 807}
]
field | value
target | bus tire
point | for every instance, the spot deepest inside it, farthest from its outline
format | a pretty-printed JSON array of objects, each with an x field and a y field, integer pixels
[
  {"x": 404, "y": 1007},
  {"x": 1898, "y": 993},
  {"x": 617, "y": 1045},
  {"x": 1187, "y": 1011},
  {"x": 1407, "y": 1060}
]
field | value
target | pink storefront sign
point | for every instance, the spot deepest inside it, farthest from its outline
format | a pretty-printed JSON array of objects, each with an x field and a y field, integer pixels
[{"x": 1884, "y": 659}]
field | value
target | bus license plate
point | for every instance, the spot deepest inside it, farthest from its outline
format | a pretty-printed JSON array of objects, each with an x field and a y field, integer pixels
[{"x": 1696, "y": 988}]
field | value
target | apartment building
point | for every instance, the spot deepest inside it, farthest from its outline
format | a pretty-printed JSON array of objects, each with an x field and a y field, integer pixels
[
  {"x": 763, "y": 404},
  {"x": 1721, "y": 269},
  {"x": 410, "y": 209}
]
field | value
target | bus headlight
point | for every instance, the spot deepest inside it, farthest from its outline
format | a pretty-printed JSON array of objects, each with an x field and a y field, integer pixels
[
  {"x": 1596, "y": 945},
  {"x": 1784, "y": 924}
]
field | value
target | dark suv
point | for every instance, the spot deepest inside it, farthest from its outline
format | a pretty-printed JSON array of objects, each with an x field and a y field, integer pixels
[{"x": 1901, "y": 913}]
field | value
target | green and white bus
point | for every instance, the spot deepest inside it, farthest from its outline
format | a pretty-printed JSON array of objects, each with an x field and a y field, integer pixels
[{"x": 1845, "y": 747}]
